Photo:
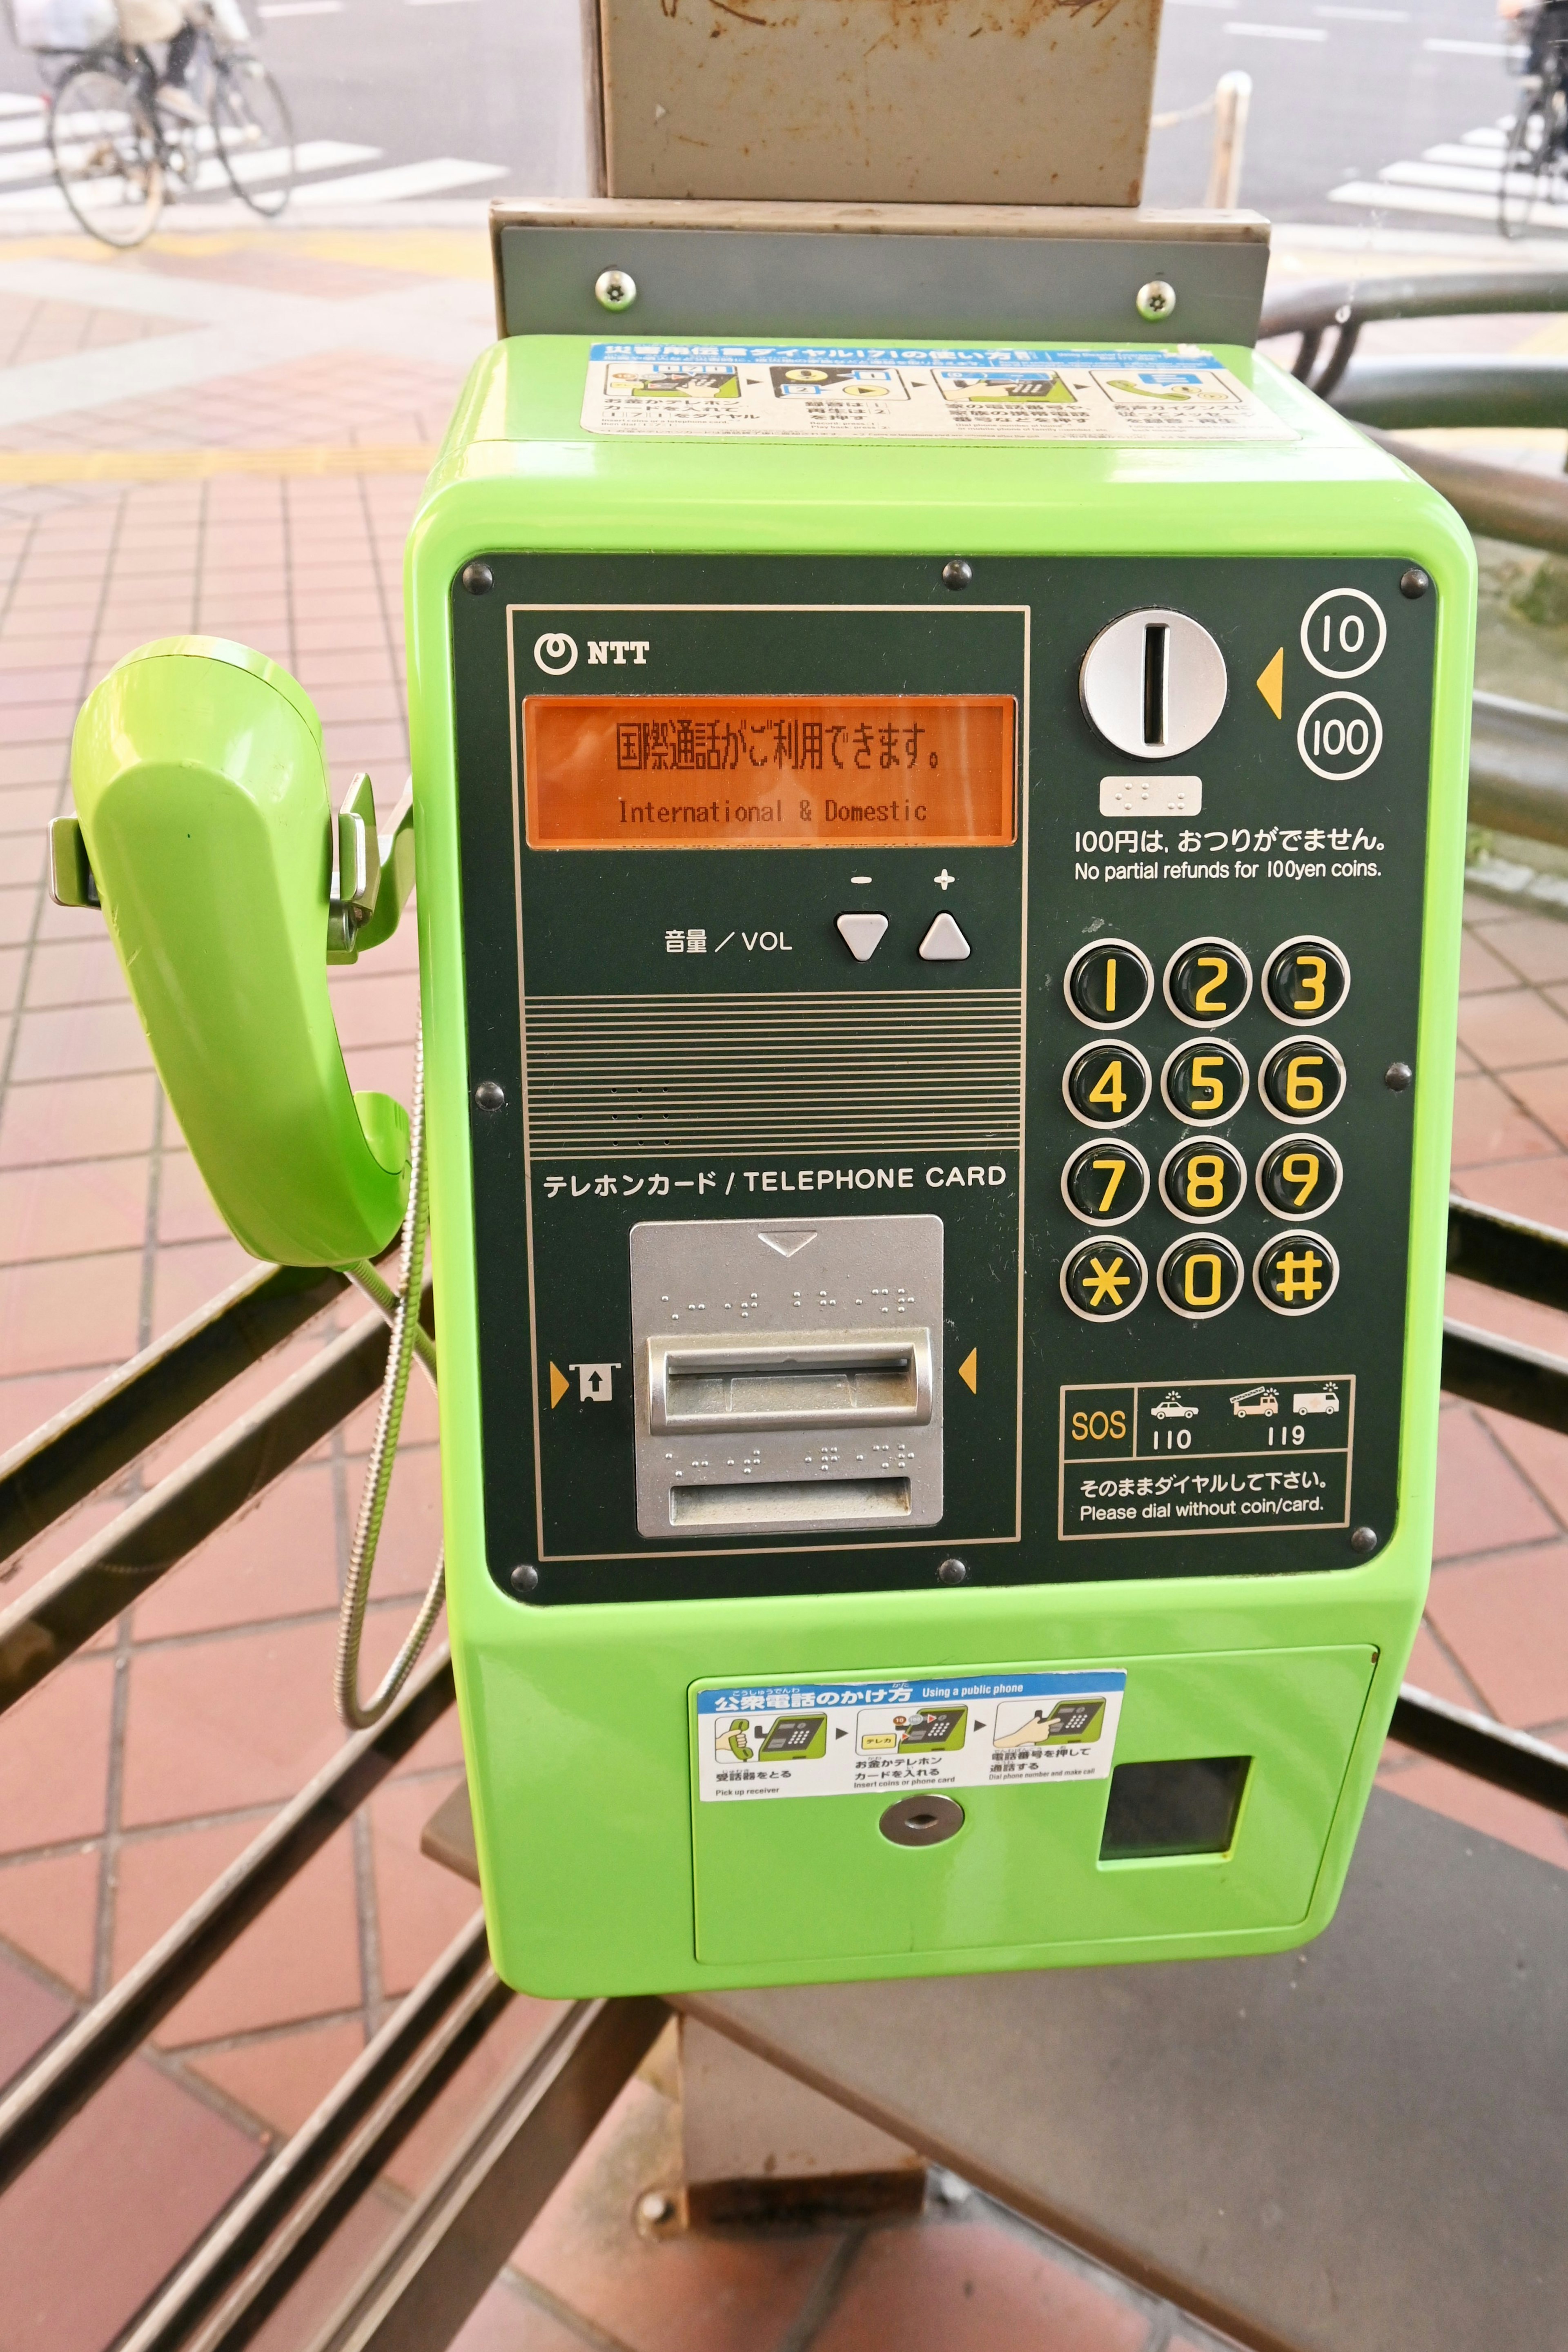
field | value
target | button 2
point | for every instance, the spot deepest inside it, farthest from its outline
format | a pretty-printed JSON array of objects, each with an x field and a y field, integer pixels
[
  {"x": 1207, "y": 983},
  {"x": 1302, "y": 1078},
  {"x": 1106, "y": 1084},
  {"x": 1204, "y": 1083},
  {"x": 862, "y": 934},
  {"x": 1201, "y": 1276},
  {"x": 1295, "y": 1272},
  {"x": 1109, "y": 983},
  {"x": 1104, "y": 1280},
  {"x": 1306, "y": 979},
  {"x": 1201, "y": 1181},
  {"x": 1299, "y": 1176},
  {"x": 1105, "y": 1184}
]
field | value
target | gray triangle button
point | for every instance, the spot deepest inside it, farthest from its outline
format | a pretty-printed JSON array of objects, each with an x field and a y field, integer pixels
[
  {"x": 944, "y": 942},
  {"x": 864, "y": 934}
]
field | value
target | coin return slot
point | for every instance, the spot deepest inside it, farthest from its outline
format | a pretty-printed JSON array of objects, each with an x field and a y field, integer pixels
[
  {"x": 802, "y": 1504},
  {"x": 778, "y": 1383}
]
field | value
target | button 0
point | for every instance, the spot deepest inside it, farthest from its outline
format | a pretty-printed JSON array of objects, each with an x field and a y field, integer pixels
[
  {"x": 1306, "y": 979},
  {"x": 1208, "y": 981},
  {"x": 1105, "y": 1184},
  {"x": 1106, "y": 1084},
  {"x": 1202, "y": 1180},
  {"x": 1201, "y": 1276},
  {"x": 1302, "y": 1078},
  {"x": 1299, "y": 1176},
  {"x": 944, "y": 942},
  {"x": 862, "y": 934},
  {"x": 1295, "y": 1272},
  {"x": 1204, "y": 1083},
  {"x": 1109, "y": 983},
  {"x": 1104, "y": 1280}
]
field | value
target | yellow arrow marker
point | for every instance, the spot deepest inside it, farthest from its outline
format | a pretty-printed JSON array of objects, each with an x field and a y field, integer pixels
[
  {"x": 968, "y": 1371},
  {"x": 558, "y": 1385},
  {"x": 1271, "y": 683}
]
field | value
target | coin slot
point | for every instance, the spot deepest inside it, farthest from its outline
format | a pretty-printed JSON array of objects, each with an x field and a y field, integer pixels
[
  {"x": 1156, "y": 684},
  {"x": 796, "y": 1503}
]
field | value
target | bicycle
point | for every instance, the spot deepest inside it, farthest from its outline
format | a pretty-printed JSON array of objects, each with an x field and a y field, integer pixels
[
  {"x": 1535, "y": 155},
  {"x": 119, "y": 154}
]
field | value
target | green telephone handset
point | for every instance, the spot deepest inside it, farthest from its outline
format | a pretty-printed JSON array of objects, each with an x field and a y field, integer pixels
[{"x": 200, "y": 793}]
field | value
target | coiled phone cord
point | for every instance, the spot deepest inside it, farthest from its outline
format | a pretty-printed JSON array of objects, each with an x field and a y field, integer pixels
[{"x": 407, "y": 1340}]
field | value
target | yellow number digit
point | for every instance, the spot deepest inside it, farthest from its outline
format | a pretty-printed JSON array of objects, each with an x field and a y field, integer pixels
[
  {"x": 1207, "y": 1093},
  {"x": 1118, "y": 1170},
  {"x": 1108, "y": 1090},
  {"x": 1110, "y": 984},
  {"x": 1303, "y": 1091},
  {"x": 1311, "y": 974},
  {"x": 1205, "y": 1181},
  {"x": 1206, "y": 1001},
  {"x": 1301, "y": 1168},
  {"x": 1190, "y": 1292}
]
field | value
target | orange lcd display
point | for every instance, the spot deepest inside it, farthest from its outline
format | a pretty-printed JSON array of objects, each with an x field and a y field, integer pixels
[{"x": 767, "y": 770}]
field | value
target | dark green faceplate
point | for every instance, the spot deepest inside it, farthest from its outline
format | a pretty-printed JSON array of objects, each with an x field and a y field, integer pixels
[{"x": 885, "y": 1113}]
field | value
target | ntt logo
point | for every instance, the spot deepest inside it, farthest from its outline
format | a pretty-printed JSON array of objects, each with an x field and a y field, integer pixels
[{"x": 555, "y": 653}]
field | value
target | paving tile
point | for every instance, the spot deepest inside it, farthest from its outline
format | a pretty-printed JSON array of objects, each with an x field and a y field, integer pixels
[
  {"x": 1431, "y": 1669},
  {"x": 74, "y": 1210},
  {"x": 373, "y": 1009},
  {"x": 190, "y": 1273},
  {"x": 80, "y": 1041},
  {"x": 1512, "y": 1319},
  {"x": 972, "y": 2284},
  {"x": 1488, "y": 1125},
  {"x": 74, "y": 972},
  {"x": 299, "y": 1959},
  {"x": 1541, "y": 1454},
  {"x": 1506, "y": 1619},
  {"x": 1532, "y": 1187},
  {"x": 282, "y": 2078},
  {"x": 419, "y": 1904},
  {"x": 31, "y": 2015},
  {"x": 185, "y": 1210},
  {"x": 27, "y": 1403},
  {"x": 505, "y": 2321},
  {"x": 16, "y": 911},
  {"x": 1544, "y": 1093},
  {"x": 281, "y": 1560},
  {"x": 70, "y": 1311},
  {"x": 54, "y": 1757},
  {"x": 1460, "y": 1797},
  {"x": 1535, "y": 945},
  {"x": 1483, "y": 1504},
  {"x": 1513, "y": 1030},
  {"x": 21, "y": 861},
  {"x": 48, "y": 1910},
  {"x": 411, "y": 1530},
  {"x": 1479, "y": 969}
]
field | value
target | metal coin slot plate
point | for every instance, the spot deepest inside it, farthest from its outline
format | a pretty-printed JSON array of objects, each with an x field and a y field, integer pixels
[{"x": 787, "y": 1375}]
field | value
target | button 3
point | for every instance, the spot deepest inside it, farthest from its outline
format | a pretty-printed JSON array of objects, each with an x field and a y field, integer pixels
[
  {"x": 862, "y": 934},
  {"x": 944, "y": 942},
  {"x": 1109, "y": 983},
  {"x": 1306, "y": 979}
]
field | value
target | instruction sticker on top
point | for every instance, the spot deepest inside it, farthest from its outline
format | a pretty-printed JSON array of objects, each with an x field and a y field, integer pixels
[
  {"x": 860, "y": 391},
  {"x": 885, "y": 1736}
]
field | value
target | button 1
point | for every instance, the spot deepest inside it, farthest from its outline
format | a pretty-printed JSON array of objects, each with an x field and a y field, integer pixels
[
  {"x": 1294, "y": 1273},
  {"x": 1105, "y": 1184},
  {"x": 1202, "y": 1182},
  {"x": 1302, "y": 1078},
  {"x": 862, "y": 934},
  {"x": 944, "y": 942},
  {"x": 1207, "y": 983},
  {"x": 1106, "y": 1084},
  {"x": 1109, "y": 983},
  {"x": 1104, "y": 1280},
  {"x": 1204, "y": 1084},
  {"x": 1306, "y": 979},
  {"x": 1201, "y": 1276},
  {"x": 1299, "y": 1176}
]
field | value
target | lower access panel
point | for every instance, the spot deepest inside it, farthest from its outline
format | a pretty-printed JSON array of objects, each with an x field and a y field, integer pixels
[{"x": 1017, "y": 1805}]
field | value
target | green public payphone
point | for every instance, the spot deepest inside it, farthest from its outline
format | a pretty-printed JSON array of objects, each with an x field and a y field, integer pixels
[{"x": 939, "y": 850}]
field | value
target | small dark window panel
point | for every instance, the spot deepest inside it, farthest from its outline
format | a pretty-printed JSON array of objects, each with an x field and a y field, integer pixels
[{"x": 1186, "y": 1807}]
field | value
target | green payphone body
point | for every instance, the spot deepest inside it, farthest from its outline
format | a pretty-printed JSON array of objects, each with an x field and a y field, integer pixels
[{"x": 938, "y": 871}]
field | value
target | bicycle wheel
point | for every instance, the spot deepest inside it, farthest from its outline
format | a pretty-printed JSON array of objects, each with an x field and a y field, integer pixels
[
  {"x": 255, "y": 134},
  {"x": 1525, "y": 160},
  {"x": 105, "y": 152}
]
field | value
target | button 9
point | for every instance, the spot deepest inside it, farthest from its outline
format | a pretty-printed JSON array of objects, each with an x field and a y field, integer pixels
[
  {"x": 1306, "y": 979},
  {"x": 1105, "y": 1184},
  {"x": 1204, "y": 1084},
  {"x": 1302, "y": 1078},
  {"x": 1201, "y": 1276},
  {"x": 1109, "y": 983},
  {"x": 1207, "y": 983},
  {"x": 1104, "y": 1280},
  {"x": 1299, "y": 1176},
  {"x": 1202, "y": 1182},
  {"x": 1295, "y": 1272},
  {"x": 1106, "y": 1084}
]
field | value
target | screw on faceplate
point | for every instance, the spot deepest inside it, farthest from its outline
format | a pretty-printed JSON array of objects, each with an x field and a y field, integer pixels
[
  {"x": 1414, "y": 582},
  {"x": 957, "y": 574},
  {"x": 655, "y": 2207},
  {"x": 478, "y": 579},
  {"x": 615, "y": 289},
  {"x": 525, "y": 1581},
  {"x": 1157, "y": 299},
  {"x": 1363, "y": 1541},
  {"x": 489, "y": 1095},
  {"x": 1398, "y": 1077},
  {"x": 952, "y": 1572}
]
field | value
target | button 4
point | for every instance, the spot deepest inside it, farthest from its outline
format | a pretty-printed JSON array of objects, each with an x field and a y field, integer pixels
[{"x": 1106, "y": 1084}]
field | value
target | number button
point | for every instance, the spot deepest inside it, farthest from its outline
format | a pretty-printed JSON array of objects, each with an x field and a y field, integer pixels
[
  {"x": 1105, "y": 1184},
  {"x": 1104, "y": 1280},
  {"x": 1201, "y": 1276},
  {"x": 1306, "y": 979},
  {"x": 1302, "y": 1078},
  {"x": 1204, "y": 1085},
  {"x": 1201, "y": 1182},
  {"x": 1106, "y": 1084},
  {"x": 1299, "y": 1176},
  {"x": 1295, "y": 1272},
  {"x": 1343, "y": 633},
  {"x": 1109, "y": 984},
  {"x": 1207, "y": 983}
]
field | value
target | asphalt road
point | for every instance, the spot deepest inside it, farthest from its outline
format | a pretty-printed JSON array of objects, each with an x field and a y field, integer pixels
[{"x": 1341, "y": 91}]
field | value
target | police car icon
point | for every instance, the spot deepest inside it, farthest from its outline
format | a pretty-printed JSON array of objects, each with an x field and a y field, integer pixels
[{"x": 1171, "y": 1408}]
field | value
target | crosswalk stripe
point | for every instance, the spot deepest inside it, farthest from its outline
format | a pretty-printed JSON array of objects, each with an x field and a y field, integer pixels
[
  {"x": 1377, "y": 195},
  {"x": 442, "y": 172},
  {"x": 1458, "y": 179},
  {"x": 12, "y": 102}
]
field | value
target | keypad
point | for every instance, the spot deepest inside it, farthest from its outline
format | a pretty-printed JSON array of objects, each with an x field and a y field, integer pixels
[{"x": 1204, "y": 1172}]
